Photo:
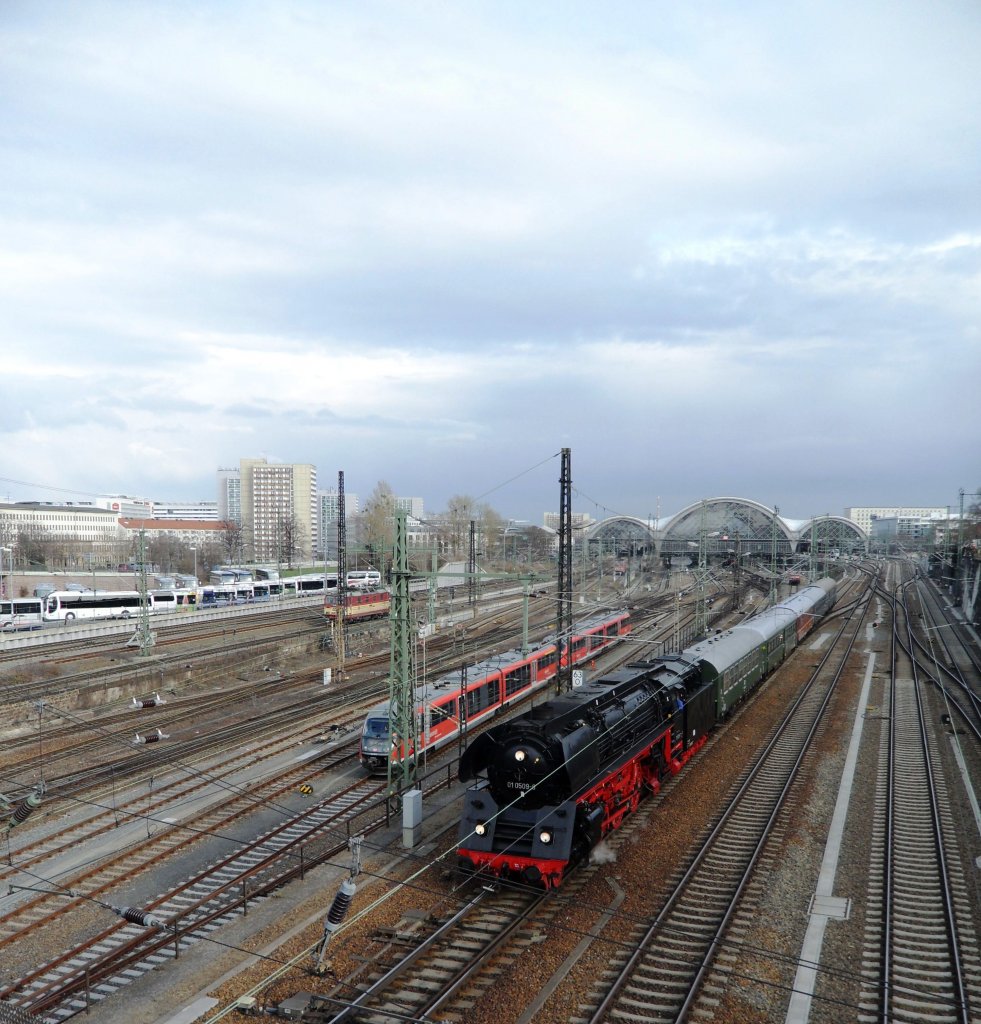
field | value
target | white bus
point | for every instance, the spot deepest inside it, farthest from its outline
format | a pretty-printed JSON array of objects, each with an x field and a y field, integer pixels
[
  {"x": 305, "y": 586},
  {"x": 66, "y": 605},
  {"x": 364, "y": 579},
  {"x": 21, "y": 613},
  {"x": 172, "y": 600}
]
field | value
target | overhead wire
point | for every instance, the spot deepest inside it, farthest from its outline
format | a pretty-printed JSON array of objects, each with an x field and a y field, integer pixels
[{"x": 399, "y": 884}]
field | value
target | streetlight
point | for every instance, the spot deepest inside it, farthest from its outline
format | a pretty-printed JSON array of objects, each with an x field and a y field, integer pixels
[
  {"x": 10, "y": 573},
  {"x": 194, "y": 551}
]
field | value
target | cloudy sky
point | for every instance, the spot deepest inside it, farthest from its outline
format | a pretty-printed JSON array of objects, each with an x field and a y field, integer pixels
[{"x": 712, "y": 248}]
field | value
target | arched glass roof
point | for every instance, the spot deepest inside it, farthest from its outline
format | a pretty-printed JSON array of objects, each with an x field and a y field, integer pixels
[
  {"x": 728, "y": 525},
  {"x": 622, "y": 533},
  {"x": 832, "y": 534}
]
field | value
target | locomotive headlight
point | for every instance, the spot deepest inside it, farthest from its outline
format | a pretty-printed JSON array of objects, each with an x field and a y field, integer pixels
[
  {"x": 519, "y": 755},
  {"x": 480, "y": 828},
  {"x": 545, "y": 836}
]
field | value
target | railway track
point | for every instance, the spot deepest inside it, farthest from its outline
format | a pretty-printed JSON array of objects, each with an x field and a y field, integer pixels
[
  {"x": 664, "y": 979},
  {"x": 475, "y": 999},
  {"x": 98, "y": 883},
  {"x": 443, "y": 971},
  {"x": 921, "y": 956},
  {"x": 174, "y": 920},
  {"x": 84, "y": 991},
  {"x": 154, "y": 811},
  {"x": 99, "y": 743}
]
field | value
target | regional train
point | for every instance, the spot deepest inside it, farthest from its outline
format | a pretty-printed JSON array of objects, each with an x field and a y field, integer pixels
[
  {"x": 551, "y": 783},
  {"x": 448, "y": 705}
]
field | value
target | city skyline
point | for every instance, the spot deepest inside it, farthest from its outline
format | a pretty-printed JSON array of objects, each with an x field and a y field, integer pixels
[{"x": 710, "y": 250}]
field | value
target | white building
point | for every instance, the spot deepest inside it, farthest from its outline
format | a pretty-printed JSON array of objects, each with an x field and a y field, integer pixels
[
  {"x": 279, "y": 510},
  {"x": 863, "y": 516},
  {"x": 69, "y": 532},
  {"x": 411, "y": 506},
  {"x": 204, "y": 511},
  {"x": 230, "y": 496}
]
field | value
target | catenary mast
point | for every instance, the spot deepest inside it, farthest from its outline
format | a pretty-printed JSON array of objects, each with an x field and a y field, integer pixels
[
  {"x": 563, "y": 613},
  {"x": 401, "y": 696},
  {"x": 339, "y": 638}
]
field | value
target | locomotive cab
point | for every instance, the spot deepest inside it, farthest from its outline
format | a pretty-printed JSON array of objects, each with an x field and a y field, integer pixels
[{"x": 376, "y": 743}]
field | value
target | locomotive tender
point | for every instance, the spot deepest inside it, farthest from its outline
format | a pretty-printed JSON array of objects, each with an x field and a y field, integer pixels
[{"x": 554, "y": 781}]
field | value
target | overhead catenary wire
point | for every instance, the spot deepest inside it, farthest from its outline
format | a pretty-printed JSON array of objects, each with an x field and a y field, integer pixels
[
  {"x": 409, "y": 884},
  {"x": 791, "y": 959},
  {"x": 559, "y": 923}
]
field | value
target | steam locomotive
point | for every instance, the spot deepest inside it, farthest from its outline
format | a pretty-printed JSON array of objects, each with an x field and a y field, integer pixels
[{"x": 553, "y": 782}]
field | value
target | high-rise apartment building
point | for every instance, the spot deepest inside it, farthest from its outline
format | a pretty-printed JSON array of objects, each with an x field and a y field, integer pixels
[
  {"x": 279, "y": 510},
  {"x": 411, "y": 506},
  {"x": 230, "y": 496},
  {"x": 580, "y": 521},
  {"x": 330, "y": 505},
  {"x": 329, "y": 510}
]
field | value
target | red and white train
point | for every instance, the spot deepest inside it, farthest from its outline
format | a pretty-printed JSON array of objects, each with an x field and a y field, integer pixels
[
  {"x": 447, "y": 705},
  {"x": 371, "y": 604}
]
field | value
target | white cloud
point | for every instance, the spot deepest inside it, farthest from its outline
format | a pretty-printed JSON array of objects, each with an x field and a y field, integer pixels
[{"x": 430, "y": 228}]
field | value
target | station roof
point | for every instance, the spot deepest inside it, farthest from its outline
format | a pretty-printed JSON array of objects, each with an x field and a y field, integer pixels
[{"x": 725, "y": 523}]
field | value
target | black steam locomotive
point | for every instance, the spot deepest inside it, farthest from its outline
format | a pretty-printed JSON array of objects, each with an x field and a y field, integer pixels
[{"x": 552, "y": 782}]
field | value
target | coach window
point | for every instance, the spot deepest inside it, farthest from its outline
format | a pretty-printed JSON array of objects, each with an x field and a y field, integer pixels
[
  {"x": 510, "y": 684},
  {"x": 476, "y": 700},
  {"x": 517, "y": 679},
  {"x": 443, "y": 712}
]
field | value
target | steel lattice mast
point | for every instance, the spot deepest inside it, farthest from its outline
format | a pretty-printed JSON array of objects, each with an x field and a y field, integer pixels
[
  {"x": 401, "y": 697},
  {"x": 144, "y": 637},
  {"x": 340, "y": 622},
  {"x": 563, "y": 613}
]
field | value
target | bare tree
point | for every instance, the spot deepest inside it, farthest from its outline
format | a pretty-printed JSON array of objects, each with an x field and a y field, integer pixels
[
  {"x": 541, "y": 543},
  {"x": 165, "y": 551},
  {"x": 492, "y": 525},
  {"x": 455, "y": 533},
  {"x": 231, "y": 542},
  {"x": 378, "y": 522},
  {"x": 289, "y": 537}
]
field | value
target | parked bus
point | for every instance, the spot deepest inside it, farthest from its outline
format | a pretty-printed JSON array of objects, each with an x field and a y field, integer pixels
[
  {"x": 308, "y": 585},
  {"x": 21, "y": 613},
  {"x": 66, "y": 605},
  {"x": 364, "y": 579},
  {"x": 172, "y": 600},
  {"x": 226, "y": 593}
]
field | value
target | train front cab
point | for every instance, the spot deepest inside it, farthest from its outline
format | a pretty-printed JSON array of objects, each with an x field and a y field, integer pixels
[{"x": 534, "y": 847}]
